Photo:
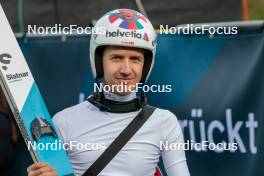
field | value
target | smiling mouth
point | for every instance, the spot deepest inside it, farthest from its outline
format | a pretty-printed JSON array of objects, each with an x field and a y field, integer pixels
[{"x": 124, "y": 80}]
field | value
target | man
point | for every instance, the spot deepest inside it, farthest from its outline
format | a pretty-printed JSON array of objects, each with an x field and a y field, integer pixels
[
  {"x": 123, "y": 55},
  {"x": 6, "y": 146},
  {"x": 8, "y": 137}
]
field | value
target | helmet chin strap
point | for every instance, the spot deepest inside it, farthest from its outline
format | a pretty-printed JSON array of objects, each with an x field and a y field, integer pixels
[{"x": 99, "y": 100}]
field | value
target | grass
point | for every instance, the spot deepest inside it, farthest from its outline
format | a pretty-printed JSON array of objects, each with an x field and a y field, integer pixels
[{"x": 256, "y": 9}]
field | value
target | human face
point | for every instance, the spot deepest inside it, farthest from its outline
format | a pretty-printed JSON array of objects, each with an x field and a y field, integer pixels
[{"x": 122, "y": 66}]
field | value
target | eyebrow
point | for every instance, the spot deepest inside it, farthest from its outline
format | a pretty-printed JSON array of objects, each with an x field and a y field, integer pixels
[
  {"x": 115, "y": 55},
  {"x": 119, "y": 55}
]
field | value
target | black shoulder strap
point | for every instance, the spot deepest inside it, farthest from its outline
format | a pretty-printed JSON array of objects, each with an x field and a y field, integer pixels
[{"x": 120, "y": 141}]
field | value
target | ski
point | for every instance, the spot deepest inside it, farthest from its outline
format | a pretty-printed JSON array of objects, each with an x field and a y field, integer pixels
[{"x": 27, "y": 104}]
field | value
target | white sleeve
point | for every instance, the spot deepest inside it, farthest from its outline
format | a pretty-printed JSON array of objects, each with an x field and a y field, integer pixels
[
  {"x": 179, "y": 169},
  {"x": 61, "y": 125},
  {"x": 174, "y": 157}
]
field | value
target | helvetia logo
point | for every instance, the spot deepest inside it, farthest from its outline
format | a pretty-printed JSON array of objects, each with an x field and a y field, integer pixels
[
  {"x": 5, "y": 60},
  {"x": 131, "y": 34},
  {"x": 146, "y": 37}
]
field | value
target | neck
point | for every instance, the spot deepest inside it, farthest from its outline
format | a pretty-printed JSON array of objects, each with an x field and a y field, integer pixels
[{"x": 120, "y": 98}]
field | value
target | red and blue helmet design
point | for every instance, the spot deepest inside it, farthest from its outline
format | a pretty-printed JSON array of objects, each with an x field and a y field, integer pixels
[{"x": 130, "y": 19}]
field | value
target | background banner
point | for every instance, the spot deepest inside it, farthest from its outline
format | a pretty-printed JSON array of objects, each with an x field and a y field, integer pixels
[
  {"x": 217, "y": 92},
  {"x": 83, "y": 12}
]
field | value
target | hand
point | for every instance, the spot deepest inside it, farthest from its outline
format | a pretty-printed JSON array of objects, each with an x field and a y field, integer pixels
[{"x": 41, "y": 169}]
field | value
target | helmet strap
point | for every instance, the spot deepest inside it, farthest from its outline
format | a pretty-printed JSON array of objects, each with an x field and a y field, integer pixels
[{"x": 98, "y": 99}]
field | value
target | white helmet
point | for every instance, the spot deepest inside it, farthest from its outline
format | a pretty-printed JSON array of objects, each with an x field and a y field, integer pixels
[{"x": 123, "y": 27}]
